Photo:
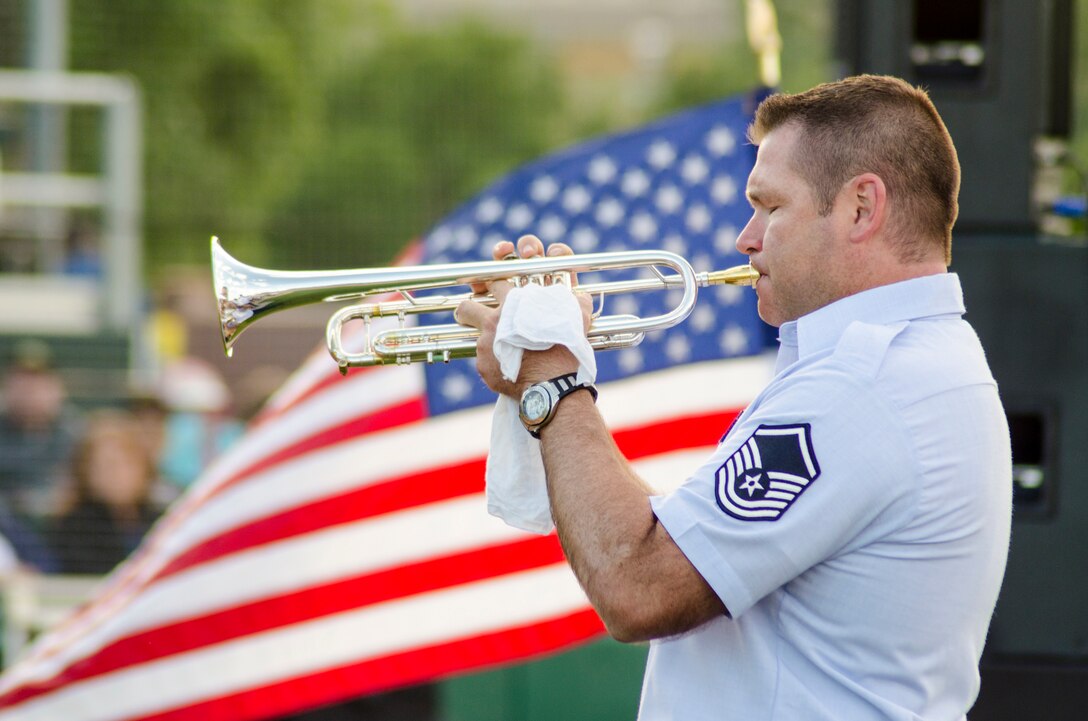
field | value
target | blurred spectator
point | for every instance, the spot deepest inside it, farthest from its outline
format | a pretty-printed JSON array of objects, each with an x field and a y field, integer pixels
[
  {"x": 82, "y": 256},
  {"x": 21, "y": 546},
  {"x": 150, "y": 415},
  {"x": 9, "y": 563},
  {"x": 37, "y": 431},
  {"x": 109, "y": 506},
  {"x": 200, "y": 424}
]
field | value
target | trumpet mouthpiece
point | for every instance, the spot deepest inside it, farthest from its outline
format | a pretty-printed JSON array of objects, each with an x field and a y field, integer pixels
[{"x": 738, "y": 275}]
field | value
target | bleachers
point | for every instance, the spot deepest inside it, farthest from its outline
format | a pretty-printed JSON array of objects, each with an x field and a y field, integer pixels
[{"x": 94, "y": 367}]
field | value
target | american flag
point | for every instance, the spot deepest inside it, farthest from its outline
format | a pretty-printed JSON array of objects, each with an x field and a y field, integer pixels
[{"x": 342, "y": 547}]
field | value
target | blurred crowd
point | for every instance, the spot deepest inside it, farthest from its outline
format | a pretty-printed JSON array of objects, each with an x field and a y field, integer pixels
[{"x": 80, "y": 488}]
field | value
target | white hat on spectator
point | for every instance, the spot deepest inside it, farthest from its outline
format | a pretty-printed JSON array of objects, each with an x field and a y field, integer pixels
[{"x": 190, "y": 384}]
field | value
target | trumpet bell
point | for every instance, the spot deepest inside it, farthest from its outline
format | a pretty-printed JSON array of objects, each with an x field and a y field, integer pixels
[{"x": 244, "y": 293}]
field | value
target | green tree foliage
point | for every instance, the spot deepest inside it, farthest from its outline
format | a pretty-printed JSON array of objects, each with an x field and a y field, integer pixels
[
  {"x": 317, "y": 132},
  {"x": 232, "y": 99},
  {"x": 701, "y": 76},
  {"x": 412, "y": 129}
]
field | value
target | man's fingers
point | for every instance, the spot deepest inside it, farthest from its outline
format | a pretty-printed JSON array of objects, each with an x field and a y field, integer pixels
[
  {"x": 503, "y": 249},
  {"x": 472, "y": 314},
  {"x": 500, "y": 289},
  {"x": 557, "y": 250},
  {"x": 586, "y": 304},
  {"x": 530, "y": 246}
]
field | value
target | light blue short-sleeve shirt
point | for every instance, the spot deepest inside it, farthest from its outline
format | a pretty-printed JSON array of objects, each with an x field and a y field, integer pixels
[{"x": 854, "y": 521}]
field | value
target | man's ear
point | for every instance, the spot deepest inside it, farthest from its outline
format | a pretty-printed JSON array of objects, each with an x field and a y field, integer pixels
[{"x": 867, "y": 198}]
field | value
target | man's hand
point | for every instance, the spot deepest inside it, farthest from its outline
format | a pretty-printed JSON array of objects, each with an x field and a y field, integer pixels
[{"x": 536, "y": 365}]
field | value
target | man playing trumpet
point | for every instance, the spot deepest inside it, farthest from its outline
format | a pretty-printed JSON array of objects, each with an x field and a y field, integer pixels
[{"x": 839, "y": 556}]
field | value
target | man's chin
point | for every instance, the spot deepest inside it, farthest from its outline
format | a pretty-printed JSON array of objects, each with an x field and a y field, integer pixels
[
  {"x": 773, "y": 321},
  {"x": 768, "y": 313}
]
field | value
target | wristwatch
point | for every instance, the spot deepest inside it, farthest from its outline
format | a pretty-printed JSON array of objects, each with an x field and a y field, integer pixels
[{"x": 539, "y": 401}]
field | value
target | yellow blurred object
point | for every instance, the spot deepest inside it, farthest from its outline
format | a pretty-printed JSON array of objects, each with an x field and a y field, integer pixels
[
  {"x": 169, "y": 335},
  {"x": 765, "y": 41}
]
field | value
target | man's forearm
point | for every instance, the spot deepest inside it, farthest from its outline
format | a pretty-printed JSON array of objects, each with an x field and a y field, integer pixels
[{"x": 634, "y": 574}]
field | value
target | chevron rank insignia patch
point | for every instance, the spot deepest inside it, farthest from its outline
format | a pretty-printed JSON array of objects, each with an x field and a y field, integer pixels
[{"x": 767, "y": 473}]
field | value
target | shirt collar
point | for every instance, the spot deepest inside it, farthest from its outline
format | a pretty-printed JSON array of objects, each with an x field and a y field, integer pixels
[{"x": 927, "y": 296}]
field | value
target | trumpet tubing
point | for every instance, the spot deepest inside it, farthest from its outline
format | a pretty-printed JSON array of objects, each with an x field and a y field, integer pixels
[{"x": 245, "y": 293}]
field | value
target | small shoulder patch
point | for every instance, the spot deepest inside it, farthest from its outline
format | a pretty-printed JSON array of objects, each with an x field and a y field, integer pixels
[{"x": 767, "y": 473}]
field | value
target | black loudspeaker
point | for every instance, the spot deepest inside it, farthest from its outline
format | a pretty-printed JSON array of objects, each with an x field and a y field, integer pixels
[
  {"x": 998, "y": 72},
  {"x": 1028, "y": 300}
]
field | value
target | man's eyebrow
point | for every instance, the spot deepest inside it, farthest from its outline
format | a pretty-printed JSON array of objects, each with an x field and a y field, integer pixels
[
  {"x": 762, "y": 196},
  {"x": 755, "y": 197}
]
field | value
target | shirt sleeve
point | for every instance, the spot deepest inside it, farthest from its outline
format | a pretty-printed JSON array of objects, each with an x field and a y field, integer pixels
[{"x": 822, "y": 466}]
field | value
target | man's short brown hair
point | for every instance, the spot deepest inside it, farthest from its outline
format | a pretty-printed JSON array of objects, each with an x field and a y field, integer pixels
[{"x": 875, "y": 124}]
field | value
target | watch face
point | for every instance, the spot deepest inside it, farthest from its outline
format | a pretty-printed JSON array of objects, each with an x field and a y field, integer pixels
[{"x": 534, "y": 405}]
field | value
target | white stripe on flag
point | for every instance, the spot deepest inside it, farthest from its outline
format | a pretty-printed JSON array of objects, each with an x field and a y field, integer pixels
[
  {"x": 684, "y": 391},
  {"x": 357, "y": 395},
  {"x": 666, "y": 472}
]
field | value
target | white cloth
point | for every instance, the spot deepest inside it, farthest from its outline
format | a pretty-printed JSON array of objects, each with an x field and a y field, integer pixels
[{"x": 533, "y": 318}]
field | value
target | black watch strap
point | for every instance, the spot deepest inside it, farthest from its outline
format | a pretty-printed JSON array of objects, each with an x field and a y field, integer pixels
[
  {"x": 568, "y": 383},
  {"x": 563, "y": 385}
]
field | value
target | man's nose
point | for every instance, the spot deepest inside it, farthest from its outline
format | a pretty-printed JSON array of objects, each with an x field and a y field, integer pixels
[{"x": 750, "y": 239}]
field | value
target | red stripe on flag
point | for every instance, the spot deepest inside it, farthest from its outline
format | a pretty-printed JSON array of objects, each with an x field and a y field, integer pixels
[
  {"x": 319, "y": 384},
  {"x": 427, "y": 664},
  {"x": 371, "y": 422},
  {"x": 390, "y": 496},
  {"x": 674, "y": 435},
  {"x": 305, "y": 605}
]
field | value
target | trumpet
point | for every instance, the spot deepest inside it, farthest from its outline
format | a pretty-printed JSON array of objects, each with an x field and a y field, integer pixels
[{"x": 245, "y": 293}]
